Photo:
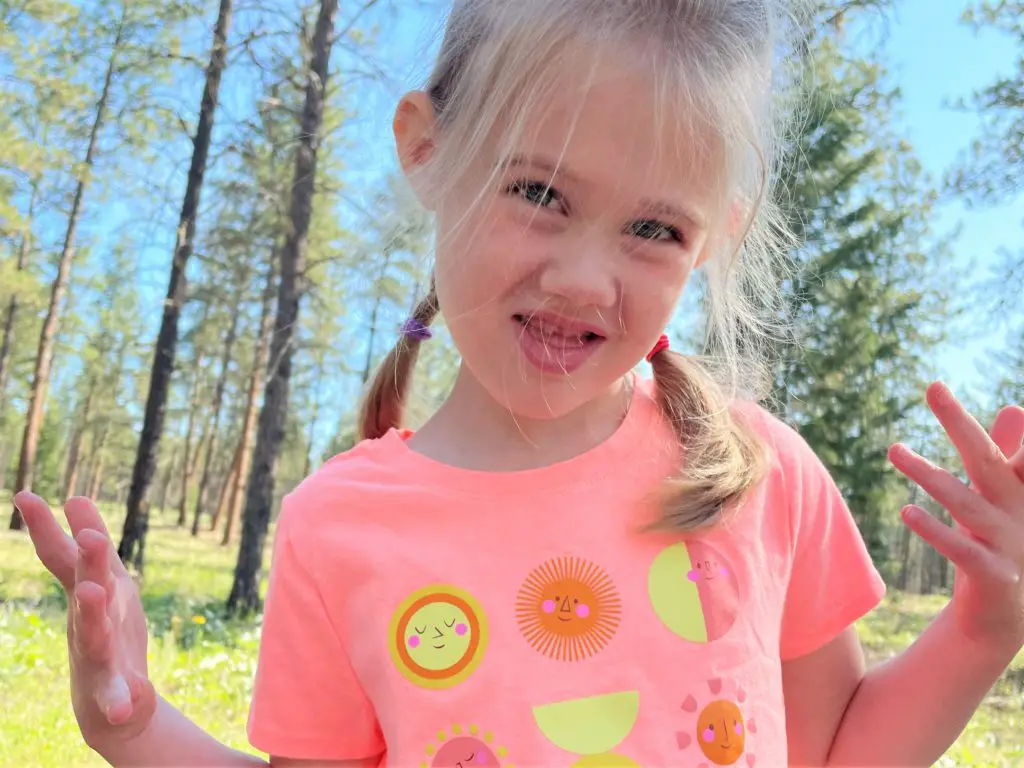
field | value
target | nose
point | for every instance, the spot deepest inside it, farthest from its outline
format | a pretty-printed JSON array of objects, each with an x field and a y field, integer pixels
[
  {"x": 566, "y": 608},
  {"x": 581, "y": 271}
]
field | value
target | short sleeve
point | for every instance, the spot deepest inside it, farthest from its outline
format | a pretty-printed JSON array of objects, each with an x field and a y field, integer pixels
[
  {"x": 307, "y": 702},
  {"x": 833, "y": 581}
]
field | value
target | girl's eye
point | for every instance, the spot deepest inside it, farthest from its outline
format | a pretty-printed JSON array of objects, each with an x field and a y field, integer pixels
[
  {"x": 649, "y": 229},
  {"x": 536, "y": 193}
]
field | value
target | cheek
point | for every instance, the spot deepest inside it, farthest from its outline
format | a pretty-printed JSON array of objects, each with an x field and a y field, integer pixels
[{"x": 483, "y": 258}]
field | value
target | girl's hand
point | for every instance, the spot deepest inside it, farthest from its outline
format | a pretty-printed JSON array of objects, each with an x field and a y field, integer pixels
[
  {"x": 111, "y": 694},
  {"x": 987, "y": 544}
]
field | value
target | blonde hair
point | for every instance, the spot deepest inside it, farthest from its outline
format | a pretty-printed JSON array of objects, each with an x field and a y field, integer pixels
[{"x": 712, "y": 60}]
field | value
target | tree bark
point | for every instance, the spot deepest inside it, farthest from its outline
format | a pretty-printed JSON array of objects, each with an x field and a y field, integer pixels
[
  {"x": 168, "y": 478},
  {"x": 236, "y": 494},
  {"x": 99, "y": 456},
  {"x": 378, "y": 300},
  {"x": 188, "y": 466},
  {"x": 313, "y": 421},
  {"x": 71, "y": 470},
  {"x": 214, "y": 425},
  {"x": 136, "y": 523},
  {"x": 48, "y": 334},
  {"x": 7, "y": 344},
  {"x": 244, "y": 597}
]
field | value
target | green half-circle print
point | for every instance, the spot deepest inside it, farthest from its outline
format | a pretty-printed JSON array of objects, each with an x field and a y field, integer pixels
[
  {"x": 589, "y": 726},
  {"x": 674, "y": 596}
]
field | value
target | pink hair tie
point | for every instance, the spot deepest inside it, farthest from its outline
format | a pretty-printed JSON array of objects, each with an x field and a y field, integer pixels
[
  {"x": 662, "y": 344},
  {"x": 414, "y": 329}
]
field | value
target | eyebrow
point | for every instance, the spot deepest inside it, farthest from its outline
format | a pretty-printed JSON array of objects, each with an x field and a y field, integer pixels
[{"x": 543, "y": 163}]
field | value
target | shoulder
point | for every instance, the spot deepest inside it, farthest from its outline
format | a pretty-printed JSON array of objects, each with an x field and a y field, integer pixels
[
  {"x": 345, "y": 487},
  {"x": 785, "y": 443}
]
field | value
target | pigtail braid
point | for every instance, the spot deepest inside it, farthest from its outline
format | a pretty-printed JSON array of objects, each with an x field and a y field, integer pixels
[
  {"x": 723, "y": 458},
  {"x": 385, "y": 400}
]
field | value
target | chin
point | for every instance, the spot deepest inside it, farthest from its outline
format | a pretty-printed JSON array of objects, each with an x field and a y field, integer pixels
[{"x": 545, "y": 399}]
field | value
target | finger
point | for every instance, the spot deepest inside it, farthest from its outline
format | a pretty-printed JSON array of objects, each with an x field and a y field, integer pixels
[
  {"x": 82, "y": 513},
  {"x": 1008, "y": 429},
  {"x": 114, "y": 698},
  {"x": 94, "y": 563},
  {"x": 54, "y": 548},
  {"x": 93, "y": 630},
  {"x": 967, "y": 507},
  {"x": 970, "y": 556},
  {"x": 984, "y": 461},
  {"x": 82, "y": 516}
]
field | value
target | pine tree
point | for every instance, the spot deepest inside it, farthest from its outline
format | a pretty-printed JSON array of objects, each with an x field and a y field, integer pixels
[
  {"x": 859, "y": 300},
  {"x": 132, "y": 546},
  {"x": 244, "y": 595},
  {"x": 992, "y": 169}
]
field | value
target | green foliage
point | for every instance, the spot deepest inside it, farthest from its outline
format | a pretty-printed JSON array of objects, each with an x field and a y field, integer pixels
[{"x": 863, "y": 301}]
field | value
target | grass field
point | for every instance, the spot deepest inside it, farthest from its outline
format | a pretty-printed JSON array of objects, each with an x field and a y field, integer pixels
[{"x": 205, "y": 665}]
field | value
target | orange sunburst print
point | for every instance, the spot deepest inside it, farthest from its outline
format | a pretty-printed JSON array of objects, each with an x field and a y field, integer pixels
[{"x": 568, "y": 609}]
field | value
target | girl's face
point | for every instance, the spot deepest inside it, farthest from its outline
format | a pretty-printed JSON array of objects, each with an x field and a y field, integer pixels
[{"x": 560, "y": 259}]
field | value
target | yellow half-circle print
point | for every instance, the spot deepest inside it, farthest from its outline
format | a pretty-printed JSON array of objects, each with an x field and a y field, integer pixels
[
  {"x": 607, "y": 760},
  {"x": 674, "y": 597},
  {"x": 589, "y": 726}
]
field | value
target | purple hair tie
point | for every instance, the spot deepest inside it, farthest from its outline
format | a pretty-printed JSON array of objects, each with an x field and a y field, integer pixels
[{"x": 414, "y": 329}]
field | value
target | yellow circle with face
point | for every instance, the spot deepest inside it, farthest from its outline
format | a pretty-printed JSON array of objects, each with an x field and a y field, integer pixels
[{"x": 438, "y": 636}]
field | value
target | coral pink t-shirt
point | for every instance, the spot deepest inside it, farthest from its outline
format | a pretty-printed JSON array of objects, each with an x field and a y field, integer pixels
[{"x": 445, "y": 618}]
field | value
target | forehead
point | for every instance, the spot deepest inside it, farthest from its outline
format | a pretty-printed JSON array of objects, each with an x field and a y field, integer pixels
[{"x": 614, "y": 124}]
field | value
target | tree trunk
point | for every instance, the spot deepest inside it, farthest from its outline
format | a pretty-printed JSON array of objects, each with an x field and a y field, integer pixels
[
  {"x": 214, "y": 426},
  {"x": 237, "y": 482},
  {"x": 189, "y": 464},
  {"x": 378, "y": 300},
  {"x": 71, "y": 470},
  {"x": 244, "y": 597},
  {"x": 312, "y": 422},
  {"x": 225, "y": 490},
  {"x": 7, "y": 344},
  {"x": 168, "y": 477},
  {"x": 136, "y": 523},
  {"x": 48, "y": 334},
  {"x": 99, "y": 456}
]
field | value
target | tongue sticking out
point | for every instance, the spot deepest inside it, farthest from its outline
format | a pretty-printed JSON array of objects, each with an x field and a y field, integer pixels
[{"x": 554, "y": 348}]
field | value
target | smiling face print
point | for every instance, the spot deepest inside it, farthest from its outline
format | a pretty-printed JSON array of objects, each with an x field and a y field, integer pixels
[
  {"x": 721, "y": 732},
  {"x": 568, "y": 609},
  {"x": 438, "y": 637}
]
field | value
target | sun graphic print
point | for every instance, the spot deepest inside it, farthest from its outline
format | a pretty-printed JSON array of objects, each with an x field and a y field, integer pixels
[
  {"x": 465, "y": 748},
  {"x": 438, "y": 636},
  {"x": 568, "y": 609},
  {"x": 718, "y": 726}
]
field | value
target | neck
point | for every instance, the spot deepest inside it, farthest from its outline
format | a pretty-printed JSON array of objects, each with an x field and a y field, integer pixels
[{"x": 473, "y": 431}]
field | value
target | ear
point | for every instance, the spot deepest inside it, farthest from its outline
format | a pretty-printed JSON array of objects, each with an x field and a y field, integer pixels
[
  {"x": 739, "y": 218},
  {"x": 414, "y": 127}
]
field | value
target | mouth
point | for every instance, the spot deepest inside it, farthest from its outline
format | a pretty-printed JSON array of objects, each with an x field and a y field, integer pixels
[
  {"x": 556, "y": 344},
  {"x": 562, "y": 618}
]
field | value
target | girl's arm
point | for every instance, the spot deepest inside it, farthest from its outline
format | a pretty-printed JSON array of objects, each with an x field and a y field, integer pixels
[
  {"x": 906, "y": 712},
  {"x": 119, "y": 714}
]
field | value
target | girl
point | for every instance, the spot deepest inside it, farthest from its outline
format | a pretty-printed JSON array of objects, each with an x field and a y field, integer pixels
[{"x": 567, "y": 565}]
